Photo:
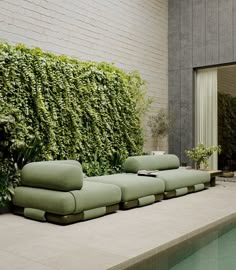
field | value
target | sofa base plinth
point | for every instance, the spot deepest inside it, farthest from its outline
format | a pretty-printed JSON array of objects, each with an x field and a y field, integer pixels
[
  {"x": 184, "y": 191},
  {"x": 35, "y": 214},
  {"x": 207, "y": 185},
  {"x": 64, "y": 220},
  {"x": 169, "y": 194},
  {"x": 69, "y": 219},
  {"x": 135, "y": 203}
]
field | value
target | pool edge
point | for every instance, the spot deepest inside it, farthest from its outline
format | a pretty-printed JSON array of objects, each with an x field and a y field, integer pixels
[{"x": 217, "y": 224}]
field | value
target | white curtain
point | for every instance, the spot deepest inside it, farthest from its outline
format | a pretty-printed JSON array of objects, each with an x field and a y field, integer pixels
[{"x": 206, "y": 111}]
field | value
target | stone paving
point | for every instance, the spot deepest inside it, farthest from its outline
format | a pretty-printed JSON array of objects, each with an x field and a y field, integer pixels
[{"x": 108, "y": 241}]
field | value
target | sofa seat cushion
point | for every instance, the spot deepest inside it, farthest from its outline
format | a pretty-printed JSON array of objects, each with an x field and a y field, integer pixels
[
  {"x": 53, "y": 175},
  {"x": 151, "y": 162},
  {"x": 93, "y": 195},
  {"x": 179, "y": 178},
  {"x": 57, "y": 202},
  {"x": 132, "y": 186}
]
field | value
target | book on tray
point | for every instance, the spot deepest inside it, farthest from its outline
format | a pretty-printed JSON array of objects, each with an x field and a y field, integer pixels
[{"x": 152, "y": 173}]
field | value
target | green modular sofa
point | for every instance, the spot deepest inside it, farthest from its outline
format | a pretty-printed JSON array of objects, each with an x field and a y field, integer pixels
[
  {"x": 54, "y": 191},
  {"x": 170, "y": 179},
  {"x": 135, "y": 190},
  {"x": 178, "y": 181}
]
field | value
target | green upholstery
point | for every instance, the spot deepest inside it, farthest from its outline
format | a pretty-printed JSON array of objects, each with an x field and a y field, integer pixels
[
  {"x": 94, "y": 213},
  {"x": 151, "y": 162},
  {"x": 177, "y": 181},
  {"x": 55, "y": 191},
  {"x": 178, "y": 178},
  {"x": 132, "y": 186},
  {"x": 52, "y": 175},
  {"x": 198, "y": 187},
  {"x": 57, "y": 202},
  {"x": 68, "y": 161},
  {"x": 146, "y": 200},
  {"x": 64, "y": 219},
  {"x": 181, "y": 191},
  {"x": 34, "y": 214},
  {"x": 93, "y": 195}
]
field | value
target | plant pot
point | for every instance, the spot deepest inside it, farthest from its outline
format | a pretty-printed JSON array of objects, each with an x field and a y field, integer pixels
[
  {"x": 158, "y": 152},
  {"x": 227, "y": 174}
]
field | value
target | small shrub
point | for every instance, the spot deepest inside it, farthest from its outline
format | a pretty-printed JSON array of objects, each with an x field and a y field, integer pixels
[
  {"x": 159, "y": 125},
  {"x": 200, "y": 154}
]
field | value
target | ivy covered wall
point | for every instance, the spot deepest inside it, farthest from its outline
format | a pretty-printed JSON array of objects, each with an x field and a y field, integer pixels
[
  {"x": 79, "y": 110},
  {"x": 131, "y": 34}
]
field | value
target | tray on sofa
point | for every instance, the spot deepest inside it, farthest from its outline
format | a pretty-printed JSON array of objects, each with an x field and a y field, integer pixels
[{"x": 151, "y": 173}]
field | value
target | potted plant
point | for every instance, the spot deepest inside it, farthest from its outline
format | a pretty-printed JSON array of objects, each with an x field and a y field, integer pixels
[
  {"x": 201, "y": 154},
  {"x": 159, "y": 125}
]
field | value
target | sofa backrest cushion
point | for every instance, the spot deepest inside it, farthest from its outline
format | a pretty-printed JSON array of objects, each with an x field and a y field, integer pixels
[
  {"x": 55, "y": 175},
  {"x": 151, "y": 162}
]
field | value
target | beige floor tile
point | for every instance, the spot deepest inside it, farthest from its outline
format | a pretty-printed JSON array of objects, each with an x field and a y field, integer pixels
[
  {"x": 10, "y": 261},
  {"x": 107, "y": 241},
  {"x": 85, "y": 258}
]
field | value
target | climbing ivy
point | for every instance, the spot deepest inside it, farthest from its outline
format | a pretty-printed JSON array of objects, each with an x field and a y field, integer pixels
[
  {"x": 79, "y": 110},
  {"x": 226, "y": 129}
]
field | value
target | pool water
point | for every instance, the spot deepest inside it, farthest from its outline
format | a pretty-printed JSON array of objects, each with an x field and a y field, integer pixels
[
  {"x": 219, "y": 254},
  {"x": 212, "y": 248}
]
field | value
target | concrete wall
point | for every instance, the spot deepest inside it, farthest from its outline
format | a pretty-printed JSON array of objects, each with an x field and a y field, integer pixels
[
  {"x": 201, "y": 33},
  {"x": 132, "y": 34}
]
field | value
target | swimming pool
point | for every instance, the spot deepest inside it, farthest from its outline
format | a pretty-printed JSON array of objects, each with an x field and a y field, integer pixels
[{"x": 210, "y": 248}]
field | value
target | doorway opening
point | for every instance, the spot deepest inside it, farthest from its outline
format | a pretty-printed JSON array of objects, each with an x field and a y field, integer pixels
[
  {"x": 215, "y": 114},
  {"x": 226, "y": 81}
]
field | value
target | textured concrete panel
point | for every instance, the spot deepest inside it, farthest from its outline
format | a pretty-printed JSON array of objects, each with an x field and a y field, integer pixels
[
  {"x": 212, "y": 32},
  {"x": 174, "y": 51},
  {"x": 175, "y": 114},
  {"x": 212, "y": 52},
  {"x": 207, "y": 37},
  {"x": 187, "y": 129},
  {"x": 187, "y": 86},
  {"x": 226, "y": 53},
  {"x": 186, "y": 112},
  {"x": 174, "y": 92},
  {"x": 174, "y": 35},
  {"x": 186, "y": 33},
  {"x": 175, "y": 143},
  {"x": 175, "y": 130},
  {"x": 199, "y": 33},
  {"x": 186, "y": 23},
  {"x": 186, "y": 56}
]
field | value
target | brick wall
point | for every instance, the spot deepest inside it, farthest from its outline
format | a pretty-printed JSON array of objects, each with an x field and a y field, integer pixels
[{"x": 132, "y": 34}]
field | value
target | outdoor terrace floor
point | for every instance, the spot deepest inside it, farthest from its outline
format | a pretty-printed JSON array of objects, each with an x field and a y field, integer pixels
[{"x": 105, "y": 242}]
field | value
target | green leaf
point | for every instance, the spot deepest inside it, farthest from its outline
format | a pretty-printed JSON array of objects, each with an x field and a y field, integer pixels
[{"x": 57, "y": 107}]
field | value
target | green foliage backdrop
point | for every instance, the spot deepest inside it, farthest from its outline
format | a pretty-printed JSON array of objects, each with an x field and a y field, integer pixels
[
  {"x": 226, "y": 128},
  {"x": 79, "y": 110}
]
